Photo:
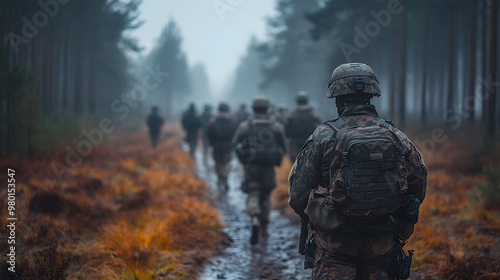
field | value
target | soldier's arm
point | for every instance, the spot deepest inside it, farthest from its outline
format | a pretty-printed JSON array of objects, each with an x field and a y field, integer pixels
[
  {"x": 238, "y": 135},
  {"x": 281, "y": 136},
  {"x": 306, "y": 171},
  {"x": 417, "y": 171},
  {"x": 417, "y": 174},
  {"x": 209, "y": 132}
]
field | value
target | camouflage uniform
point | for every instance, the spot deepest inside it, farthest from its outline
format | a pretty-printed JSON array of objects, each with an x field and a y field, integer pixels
[
  {"x": 222, "y": 147},
  {"x": 242, "y": 114},
  {"x": 259, "y": 178},
  {"x": 191, "y": 123},
  {"x": 300, "y": 124},
  {"x": 349, "y": 255},
  {"x": 154, "y": 122},
  {"x": 205, "y": 118}
]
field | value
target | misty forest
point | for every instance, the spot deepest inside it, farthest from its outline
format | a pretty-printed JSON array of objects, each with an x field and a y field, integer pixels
[{"x": 94, "y": 200}]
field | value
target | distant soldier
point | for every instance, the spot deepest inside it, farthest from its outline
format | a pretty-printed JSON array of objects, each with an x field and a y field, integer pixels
[
  {"x": 360, "y": 181},
  {"x": 205, "y": 117},
  {"x": 191, "y": 123},
  {"x": 260, "y": 145},
  {"x": 220, "y": 132},
  {"x": 281, "y": 114},
  {"x": 242, "y": 114},
  {"x": 300, "y": 124},
  {"x": 154, "y": 123}
]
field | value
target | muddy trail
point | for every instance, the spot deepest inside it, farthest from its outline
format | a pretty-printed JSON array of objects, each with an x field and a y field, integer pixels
[{"x": 275, "y": 257}]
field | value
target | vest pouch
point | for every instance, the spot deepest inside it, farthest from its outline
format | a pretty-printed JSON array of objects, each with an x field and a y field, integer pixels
[
  {"x": 322, "y": 212},
  {"x": 408, "y": 215},
  {"x": 405, "y": 230}
]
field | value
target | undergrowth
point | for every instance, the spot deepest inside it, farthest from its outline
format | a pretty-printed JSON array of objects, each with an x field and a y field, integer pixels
[{"x": 127, "y": 211}]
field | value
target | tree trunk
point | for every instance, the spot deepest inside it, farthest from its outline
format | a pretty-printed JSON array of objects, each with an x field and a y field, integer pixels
[
  {"x": 471, "y": 94},
  {"x": 491, "y": 125},
  {"x": 402, "y": 81},
  {"x": 484, "y": 62},
  {"x": 452, "y": 66},
  {"x": 425, "y": 63},
  {"x": 392, "y": 81}
]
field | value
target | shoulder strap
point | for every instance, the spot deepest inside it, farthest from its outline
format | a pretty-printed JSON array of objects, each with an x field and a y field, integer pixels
[
  {"x": 337, "y": 124},
  {"x": 387, "y": 124}
]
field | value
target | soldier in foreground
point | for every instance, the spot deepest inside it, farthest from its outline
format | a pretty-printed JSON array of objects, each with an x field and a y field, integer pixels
[
  {"x": 300, "y": 124},
  {"x": 154, "y": 123},
  {"x": 360, "y": 182},
  {"x": 260, "y": 145},
  {"x": 220, "y": 132},
  {"x": 191, "y": 123}
]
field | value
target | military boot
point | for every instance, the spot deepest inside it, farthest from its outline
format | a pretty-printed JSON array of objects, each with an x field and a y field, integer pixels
[{"x": 254, "y": 239}]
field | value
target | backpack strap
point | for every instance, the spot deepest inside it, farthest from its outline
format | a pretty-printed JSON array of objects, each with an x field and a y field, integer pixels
[
  {"x": 337, "y": 124},
  {"x": 387, "y": 124}
]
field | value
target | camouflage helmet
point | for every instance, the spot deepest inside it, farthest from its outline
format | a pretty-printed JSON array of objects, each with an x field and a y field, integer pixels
[
  {"x": 302, "y": 97},
  {"x": 353, "y": 78},
  {"x": 260, "y": 103}
]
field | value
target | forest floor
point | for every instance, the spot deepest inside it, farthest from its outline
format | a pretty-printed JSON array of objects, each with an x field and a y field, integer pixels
[{"x": 128, "y": 211}]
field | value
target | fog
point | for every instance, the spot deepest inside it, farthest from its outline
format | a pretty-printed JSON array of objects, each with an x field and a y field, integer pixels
[{"x": 73, "y": 63}]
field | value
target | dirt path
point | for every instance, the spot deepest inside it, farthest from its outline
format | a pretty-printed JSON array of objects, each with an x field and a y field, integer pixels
[{"x": 273, "y": 258}]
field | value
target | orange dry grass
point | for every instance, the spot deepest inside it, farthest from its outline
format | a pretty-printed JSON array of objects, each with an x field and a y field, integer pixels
[
  {"x": 279, "y": 195},
  {"x": 127, "y": 212}
]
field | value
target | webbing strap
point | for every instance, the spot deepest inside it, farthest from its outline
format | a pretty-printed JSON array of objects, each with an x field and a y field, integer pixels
[
  {"x": 366, "y": 205},
  {"x": 373, "y": 179},
  {"x": 360, "y": 165},
  {"x": 372, "y": 157},
  {"x": 366, "y": 172},
  {"x": 363, "y": 196},
  {"x": 337, "y": 124},
  {"x": 387, "y": 124},
  {"x": 372, "y": 164},
  {"x": 379, "y": 187}
]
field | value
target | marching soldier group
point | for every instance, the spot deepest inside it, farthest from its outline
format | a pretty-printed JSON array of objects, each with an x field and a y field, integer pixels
[{"x": 356, "y": 178}]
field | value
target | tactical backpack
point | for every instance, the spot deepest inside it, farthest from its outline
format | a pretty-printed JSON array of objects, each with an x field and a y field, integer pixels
[
  {"x": 260, "y": 146},
  {"x": 223, "y": 129},
  {"x": 367, "y": 179},
  {"x": 191, "y": 121},
  {"x": 301, "y": 124}
]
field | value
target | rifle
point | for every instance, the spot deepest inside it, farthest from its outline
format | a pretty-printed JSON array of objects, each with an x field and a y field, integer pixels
[{"x": 307, "y": 247}]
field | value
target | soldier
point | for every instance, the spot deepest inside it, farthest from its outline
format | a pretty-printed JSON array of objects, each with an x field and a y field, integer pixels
[
  {"x": 300, "y": 124},
  {"x": 191, "y": 123},
  {"x": 205, "y": 117},
  {"x": 362, "y": 172},
  {"x": 242, "y": 114},
  {"x": 154, "y": 123},
  {"x": 220, "y": 132},
  {"x": 281, "y": 114},
  {"x": 260, "y": 145}
]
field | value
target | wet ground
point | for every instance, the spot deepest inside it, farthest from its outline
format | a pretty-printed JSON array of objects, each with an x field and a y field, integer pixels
[{"x": 275, "y": 257}]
